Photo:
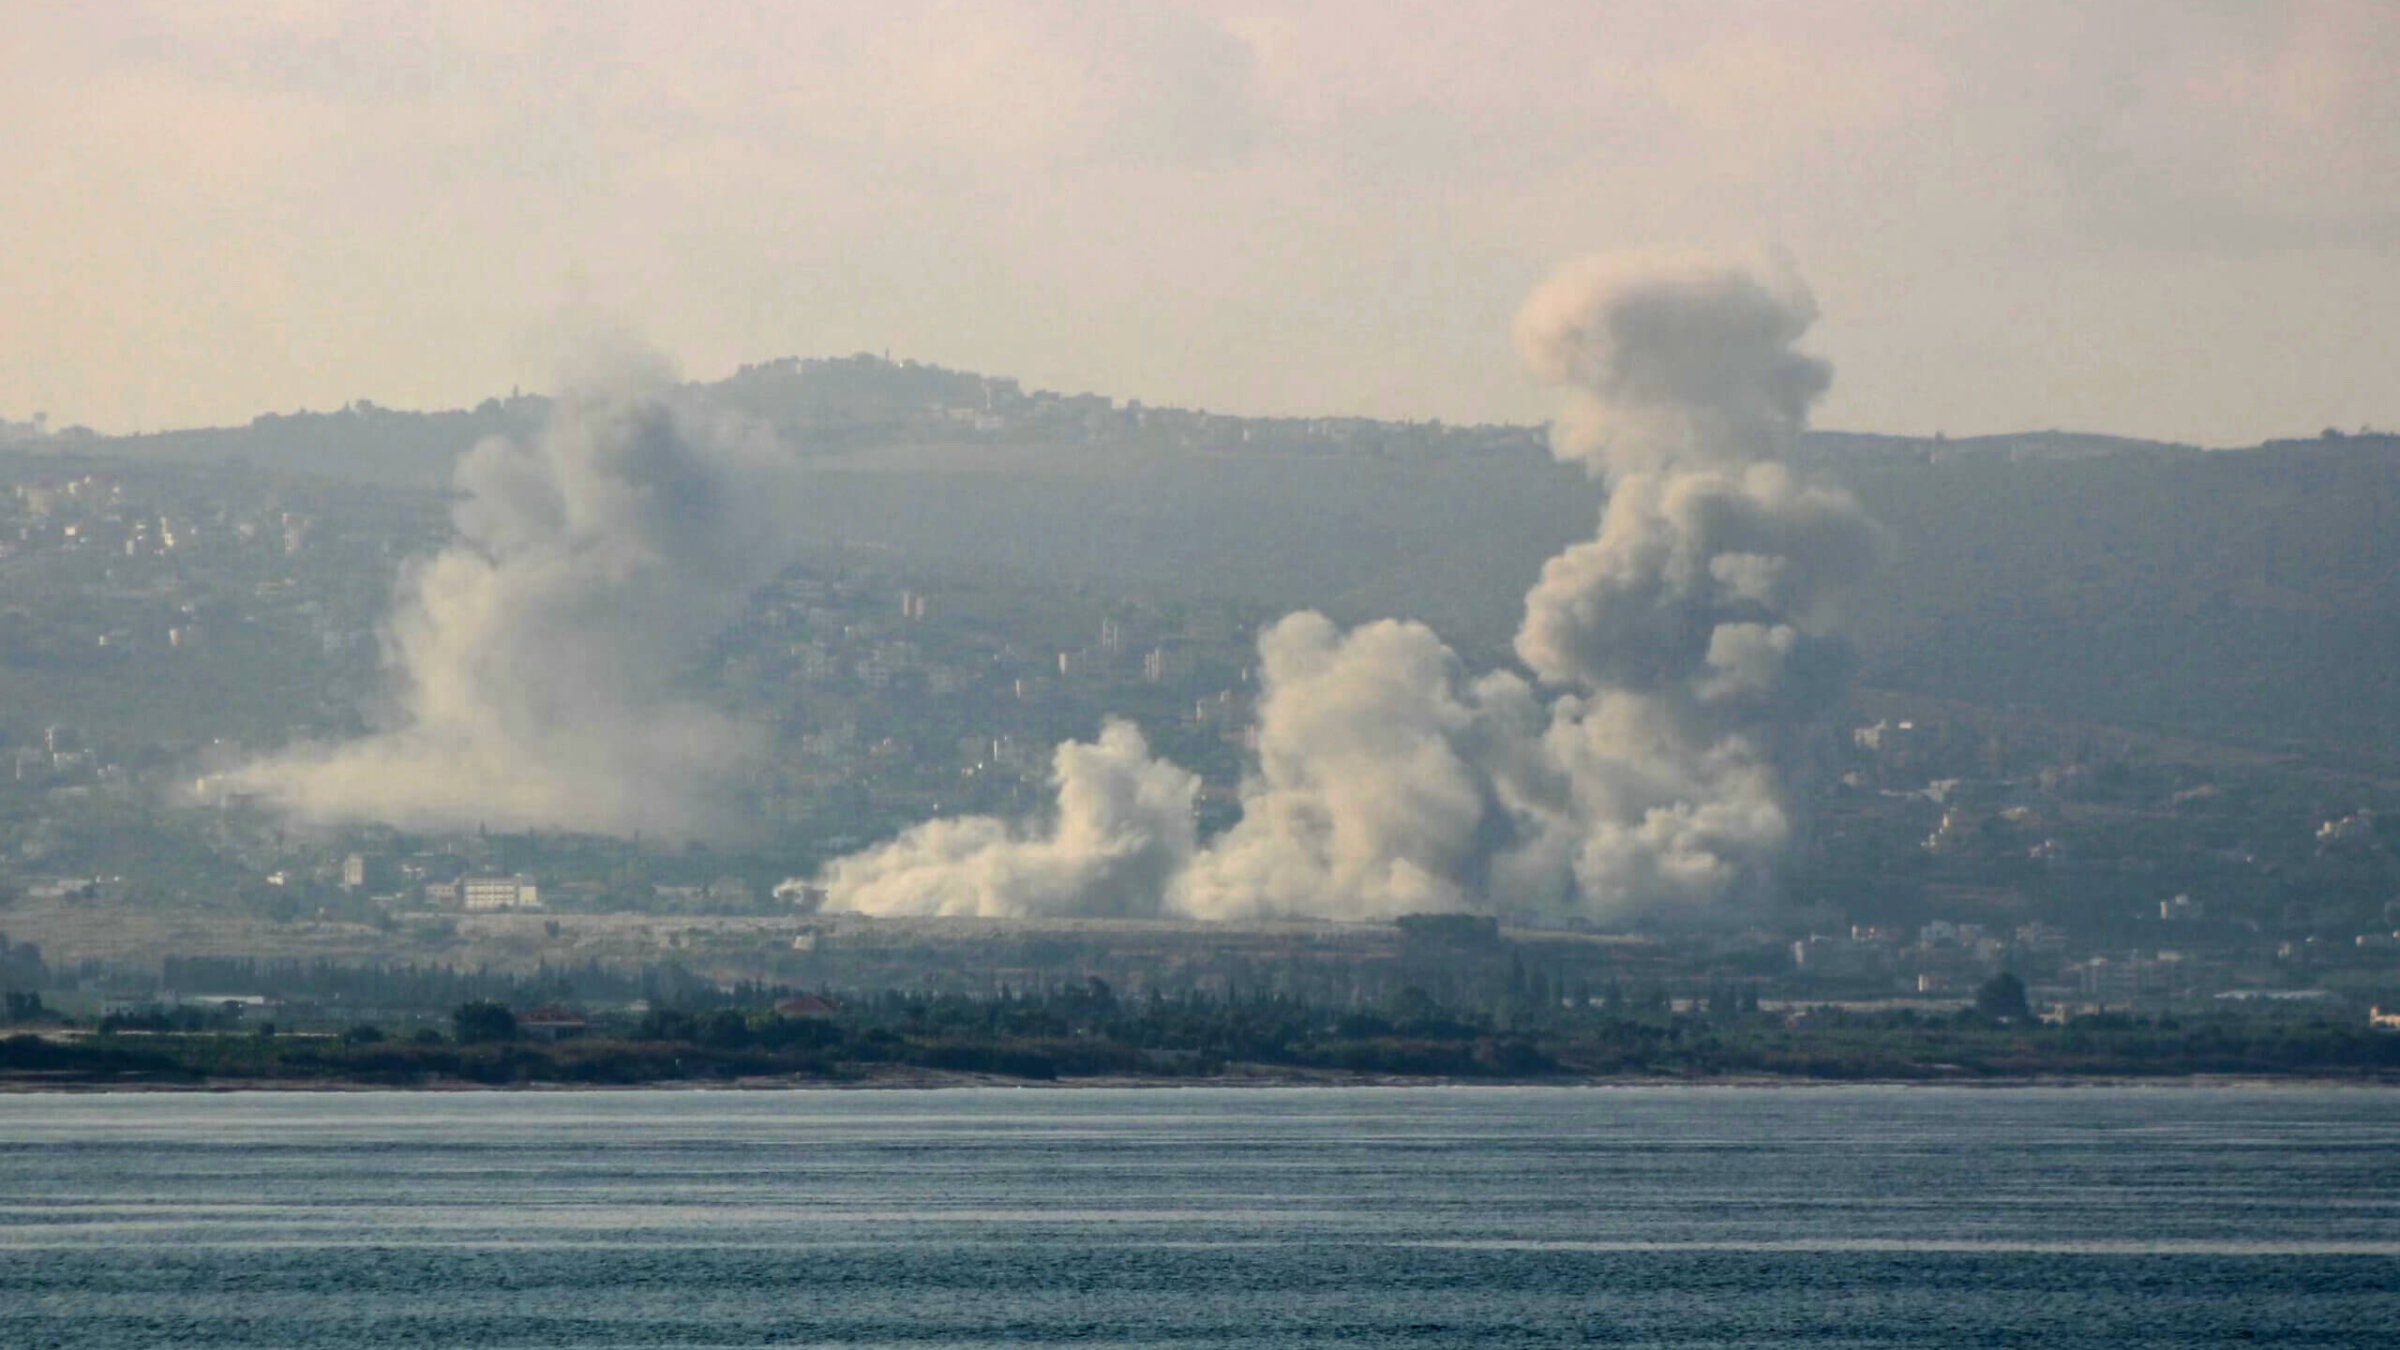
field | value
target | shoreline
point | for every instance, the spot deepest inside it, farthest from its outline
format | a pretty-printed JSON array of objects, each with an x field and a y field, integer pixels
[{"x": 937, "y": 1080}]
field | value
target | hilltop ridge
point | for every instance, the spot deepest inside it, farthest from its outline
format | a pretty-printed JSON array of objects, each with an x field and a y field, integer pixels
[{"x": 837, "y": 405}]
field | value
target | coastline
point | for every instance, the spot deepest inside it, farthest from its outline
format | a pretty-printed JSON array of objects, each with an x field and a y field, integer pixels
[{"x": 1267, "y": 1079}]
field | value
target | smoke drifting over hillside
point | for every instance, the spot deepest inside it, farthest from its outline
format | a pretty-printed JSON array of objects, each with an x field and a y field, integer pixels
[
  {"x": 1679, "y": 655},
  {"x": 1642, "y": 764},
  {"x": 533, "y": 659}
]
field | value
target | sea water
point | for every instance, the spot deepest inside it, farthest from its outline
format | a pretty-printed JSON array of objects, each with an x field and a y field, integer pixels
[{"x": 1190, "y": 1216}]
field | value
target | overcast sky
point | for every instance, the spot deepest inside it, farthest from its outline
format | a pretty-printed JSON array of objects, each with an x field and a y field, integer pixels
[{"x": 2178, "y": 220}]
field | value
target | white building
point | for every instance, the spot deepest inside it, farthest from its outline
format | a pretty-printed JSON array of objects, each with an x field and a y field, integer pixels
[{"x": 493, "y": 892}]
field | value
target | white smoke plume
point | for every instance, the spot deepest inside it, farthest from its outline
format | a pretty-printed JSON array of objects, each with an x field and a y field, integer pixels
[
  {"x": 1382, "y": 777},
  {"x": 1122, "y": 832},
  {"x": 533, "y": 660},
  {"x": 1673, "y": 360},
  {"x": 1697, "y": 630},
  {"x": 1680, "y": 654}
]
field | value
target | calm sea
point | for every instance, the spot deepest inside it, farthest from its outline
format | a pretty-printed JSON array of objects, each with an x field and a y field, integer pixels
[{"x": 1204, "y": 1217}]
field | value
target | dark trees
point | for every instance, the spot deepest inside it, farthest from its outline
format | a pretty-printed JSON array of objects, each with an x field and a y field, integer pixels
[
  {"x": 2002, "y": 999},
  {"x": 483, "y": 1020}
]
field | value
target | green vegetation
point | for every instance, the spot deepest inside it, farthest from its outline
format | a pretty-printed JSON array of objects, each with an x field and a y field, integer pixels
[
  {"x": 2002, "y": 999},
  {"x": 1083, "y": 1030},
  {"x": 483, "y": 1022}
]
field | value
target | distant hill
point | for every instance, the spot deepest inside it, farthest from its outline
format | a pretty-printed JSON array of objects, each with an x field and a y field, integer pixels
[
  {"x": 363, "y": 443},
  {"x": 842, "y": 405},
  {"x": 1838, "y": 447},
  {"x": 2251, "y": 594}
]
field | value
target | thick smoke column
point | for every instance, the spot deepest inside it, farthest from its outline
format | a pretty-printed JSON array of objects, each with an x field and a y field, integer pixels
[
  {"x": 1696, "y": 630},
  {"x": 1386, "y": 782},
  {"x": 533, "y": 659},
  {"x": 1677, "y": 658},
  {"x": 1684, "y": 392},
  {"x": 1123, "y": 830}
]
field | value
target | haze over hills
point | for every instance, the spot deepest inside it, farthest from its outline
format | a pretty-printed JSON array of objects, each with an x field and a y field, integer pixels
[
  {"x": 844, "y": 405},
  {"x": 2246, "y": 594}
]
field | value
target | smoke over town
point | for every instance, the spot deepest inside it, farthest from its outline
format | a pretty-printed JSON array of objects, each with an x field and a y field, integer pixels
[
  {"x": 533, "y": 660},
  {"x": 1645, "y": 769},
  {"x": 1642, "y": 763}
]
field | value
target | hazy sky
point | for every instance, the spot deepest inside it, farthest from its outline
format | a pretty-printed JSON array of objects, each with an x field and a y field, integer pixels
[{"x": 2163, "y": 219}]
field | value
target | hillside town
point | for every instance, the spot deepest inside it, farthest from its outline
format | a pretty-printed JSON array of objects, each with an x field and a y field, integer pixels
[{"x": 168, "y": 620}]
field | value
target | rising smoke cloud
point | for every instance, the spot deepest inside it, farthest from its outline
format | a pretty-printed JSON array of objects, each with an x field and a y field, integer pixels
[
  {"x": 1677, "y": 657},
  {"x": 1696, "y": 634},
  {"x": 1122, "y": 831},
  {"x": 533, "y": 660},
  {"x": 1386, "y": 781}
]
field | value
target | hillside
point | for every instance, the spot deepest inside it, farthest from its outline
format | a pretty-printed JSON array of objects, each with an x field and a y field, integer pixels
[{"x": 2247, "y": 594}]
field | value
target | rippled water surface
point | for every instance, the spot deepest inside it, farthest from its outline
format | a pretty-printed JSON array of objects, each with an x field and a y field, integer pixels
[{"x": 1204, "y": 1217}]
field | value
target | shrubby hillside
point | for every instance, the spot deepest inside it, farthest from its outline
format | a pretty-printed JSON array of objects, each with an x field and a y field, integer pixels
[{"x": 2248, "y": 594}]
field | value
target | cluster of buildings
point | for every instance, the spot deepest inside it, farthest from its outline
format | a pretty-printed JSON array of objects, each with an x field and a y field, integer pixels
[
  {"x": 146, "y": 569},
  {"x": 901, "y": 696},
  {"x": 2103, "y": 868}
]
